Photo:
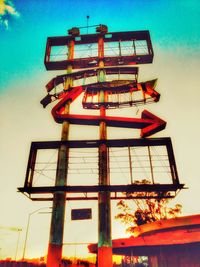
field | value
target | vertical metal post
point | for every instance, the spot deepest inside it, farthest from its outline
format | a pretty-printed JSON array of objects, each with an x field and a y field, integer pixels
[
  {"x": 54, "y": 255},
  {"x": 104, "y": 207}
]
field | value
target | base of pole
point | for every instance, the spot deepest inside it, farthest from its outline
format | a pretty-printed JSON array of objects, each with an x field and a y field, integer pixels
[
  {"x": 54, "y": 255},
  {"x": 105, "y": 257}
]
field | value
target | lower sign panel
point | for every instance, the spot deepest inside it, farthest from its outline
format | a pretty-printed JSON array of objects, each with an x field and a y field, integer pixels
[
  {"x": 81, "y": 214},
  {"x": 135, "y": 166}
]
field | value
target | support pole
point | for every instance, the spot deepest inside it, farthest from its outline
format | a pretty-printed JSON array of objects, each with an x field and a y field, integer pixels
[
  {"x": 104, "y": 207},
  {"x": 54, "y": 255}
]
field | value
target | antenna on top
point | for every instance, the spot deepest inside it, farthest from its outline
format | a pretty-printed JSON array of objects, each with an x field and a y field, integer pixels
[{"x": 87, "y": 22}]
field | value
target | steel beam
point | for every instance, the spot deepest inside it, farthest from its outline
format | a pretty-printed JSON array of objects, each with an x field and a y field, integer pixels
[
  {"x": 54, "y": 255},
  {"x": 104, "y": 257},
  {"x": 103, "y": 188},
  {"x": 135, "y": 142}
]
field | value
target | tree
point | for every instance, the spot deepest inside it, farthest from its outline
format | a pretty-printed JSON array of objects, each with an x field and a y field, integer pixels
[{"x": 148, "y": 209}]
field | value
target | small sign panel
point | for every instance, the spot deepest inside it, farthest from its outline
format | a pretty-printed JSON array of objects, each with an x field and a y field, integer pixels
[{"x": 81, "y": 214}]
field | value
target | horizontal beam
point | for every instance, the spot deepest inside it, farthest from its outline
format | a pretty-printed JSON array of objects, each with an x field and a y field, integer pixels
[
  {"x": 93, "y": 38},
  {"x": 109, "y": 143},
  {"x": 114, "y": 196},
  {"x": 140, "y": 188},
  {"x": 82, "y": 63},
  {"x": 96, "y": 198}
]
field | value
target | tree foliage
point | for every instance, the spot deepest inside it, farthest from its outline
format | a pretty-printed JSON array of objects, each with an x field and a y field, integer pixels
[{"x": 148, "y": 210}]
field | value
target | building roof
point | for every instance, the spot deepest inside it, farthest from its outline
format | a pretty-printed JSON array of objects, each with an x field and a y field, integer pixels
[{"x": 150, "y": 237}]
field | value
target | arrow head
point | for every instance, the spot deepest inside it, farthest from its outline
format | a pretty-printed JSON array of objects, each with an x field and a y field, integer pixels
[{"x": 157, "y": 124}]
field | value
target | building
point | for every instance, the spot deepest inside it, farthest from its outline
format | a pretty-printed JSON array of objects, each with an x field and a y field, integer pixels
[{"x": 167, "y": 243}]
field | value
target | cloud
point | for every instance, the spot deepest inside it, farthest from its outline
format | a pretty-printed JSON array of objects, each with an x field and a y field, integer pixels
[{"x": 7, "y": 11}]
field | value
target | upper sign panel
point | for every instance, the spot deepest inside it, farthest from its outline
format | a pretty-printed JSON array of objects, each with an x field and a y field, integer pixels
[{"x": 119, "y": 48}]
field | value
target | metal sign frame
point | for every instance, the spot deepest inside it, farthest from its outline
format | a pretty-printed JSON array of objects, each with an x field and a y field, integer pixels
[
  {"x": 158, "y": 190},
  {"x": 79, "y": 63}
]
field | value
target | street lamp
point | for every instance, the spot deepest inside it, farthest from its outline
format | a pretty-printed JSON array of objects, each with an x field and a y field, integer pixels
[
  {"x": 18, "y": 236},
  {"x": 14, "y": 229},
  {"x": 27, "y": 228}
]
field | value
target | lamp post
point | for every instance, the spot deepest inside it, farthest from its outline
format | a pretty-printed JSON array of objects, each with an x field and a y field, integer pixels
[
  {"x": 14, "y": 229},
  {"x": 27, "y": 228},
  {"x": 18, "y": 236}
]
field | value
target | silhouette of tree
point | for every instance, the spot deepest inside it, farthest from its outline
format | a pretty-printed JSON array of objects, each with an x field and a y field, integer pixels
[{"x": 148, "y": 210}]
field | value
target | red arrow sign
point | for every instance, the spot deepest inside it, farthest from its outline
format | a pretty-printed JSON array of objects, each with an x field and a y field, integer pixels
[
  {"x": 149, "y": 123},
  {"x": 156, "y": 125}
]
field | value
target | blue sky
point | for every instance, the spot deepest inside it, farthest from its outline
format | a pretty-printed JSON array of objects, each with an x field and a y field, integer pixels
[
  {"x": 172, "y": 24},
  {"x": 174, "y": 28}
]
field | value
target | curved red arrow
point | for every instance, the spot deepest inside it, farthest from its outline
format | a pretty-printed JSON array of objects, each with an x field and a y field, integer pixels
[{"x": 149, "y": 123}]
